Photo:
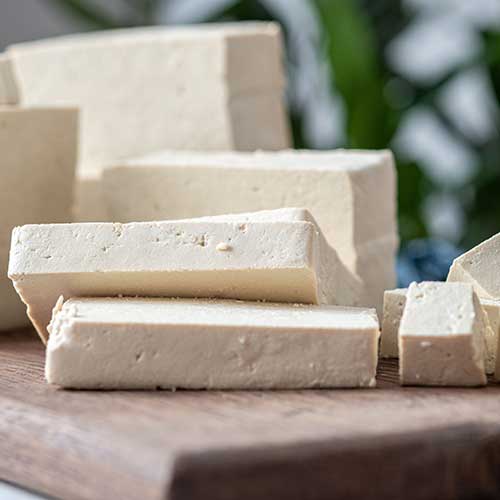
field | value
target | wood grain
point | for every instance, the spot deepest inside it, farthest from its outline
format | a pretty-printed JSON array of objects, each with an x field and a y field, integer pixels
[{"x": 389, "y": 442}]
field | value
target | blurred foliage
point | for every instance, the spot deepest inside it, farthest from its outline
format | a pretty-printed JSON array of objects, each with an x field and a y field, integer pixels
[{"x": 356, "y": 34}]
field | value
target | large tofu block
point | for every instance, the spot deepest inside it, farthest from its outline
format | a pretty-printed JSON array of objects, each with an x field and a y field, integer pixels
[
  {"x": 278, "y": 257},
  {"x": 119, "y": 343},
  {"x": 140, "y": 90},
  {"x": 480, "y": 267},
  {"x": 351, "y": 194},
  {"x": 442, "y": 336},
  {"x": 37, "y": 162},
  {"x": 394, "y": 304}
]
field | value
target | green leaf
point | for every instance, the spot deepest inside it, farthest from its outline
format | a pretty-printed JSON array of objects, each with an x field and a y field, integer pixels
[{"x": 351, "y": 50}]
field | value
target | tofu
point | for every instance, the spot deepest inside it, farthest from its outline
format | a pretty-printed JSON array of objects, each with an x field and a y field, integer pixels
[
  {"x": 140, "y": 343},
  {"x": 8, "y": 87},
  {"x": 217, "y": 86},
  {"x": 251, "y": 258},
  {"x": 442, "y": 336},
  {"x": 394, "y": 303},
  {"x": 480, "y": 267},
  {"x": 38, "y": 150},
  {"x": 351, "y": 194}
]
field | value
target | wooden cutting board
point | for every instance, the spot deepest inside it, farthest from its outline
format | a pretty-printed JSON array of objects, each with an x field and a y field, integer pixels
[{"x": 389, "y": 442}]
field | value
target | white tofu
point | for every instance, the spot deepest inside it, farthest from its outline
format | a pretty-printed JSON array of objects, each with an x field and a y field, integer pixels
[
  {"x": 258, "y": 257},
  {"x": 140, "y": 90},
  {"x": 394, "y": 303},
  {"x": 351, "y": 194},
  {"x": 37, "y": 162},
  {"x": 119, "y": 343},
  {"x": 442, "y": 336},
  {"x": 8, "y": 87},
  {"x": 480, "y": 267}
]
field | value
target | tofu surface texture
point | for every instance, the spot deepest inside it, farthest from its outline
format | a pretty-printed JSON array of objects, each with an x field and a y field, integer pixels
[
  {"x": 442, "y": 336},
  {"x": 38, "y": 150},
  {"x": 351, "y": 194},
  {"x": 394, "y": 304},
  {"x": 480, "y": 267},
  {"x": 139, "y": 343},
  {"x": 217, "y": 86},
  {"x": 277, "y": 256}
]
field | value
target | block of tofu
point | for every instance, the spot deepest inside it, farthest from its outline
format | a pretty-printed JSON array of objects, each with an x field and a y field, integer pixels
[
  {"x": 139, "y": 343},
  {"x": 281, "y": 259},
  {"x": 442, "y": 336},
  {"x": 217, "y": 86},
  {"x": 480, "y": 267},
  {"x": 351, "y": 194},
  {"x": 394, "y": 303},
  {"x": 38, "y": 150},
  {"x": 8, "y": 87}
]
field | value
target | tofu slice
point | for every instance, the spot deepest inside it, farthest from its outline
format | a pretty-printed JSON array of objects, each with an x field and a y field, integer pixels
[
  {"x": 394, "y": 304},
  {"x": 38, "y": 149},
  {"x": 249, "y": 257},
  {"x": 351, "y": 194},
  {"x": 480, "y": 266},
  {"x": 140, "y": 343},
  {"x": 441, "y": 336},
  {"x": 217, "y": 86}
]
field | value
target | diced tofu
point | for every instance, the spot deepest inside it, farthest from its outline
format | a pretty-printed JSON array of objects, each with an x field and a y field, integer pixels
[{"x": 442, "y": 336}]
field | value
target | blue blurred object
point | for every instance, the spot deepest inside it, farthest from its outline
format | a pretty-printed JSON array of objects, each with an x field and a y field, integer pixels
[{"x": 425, "y": 260}]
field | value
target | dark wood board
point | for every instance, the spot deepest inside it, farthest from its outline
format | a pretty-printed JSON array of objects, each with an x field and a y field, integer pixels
[{"x": 389, "y": 442}]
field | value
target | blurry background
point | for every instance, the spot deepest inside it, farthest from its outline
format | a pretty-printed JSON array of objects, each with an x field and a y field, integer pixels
[{"x": 419, "y": 76}]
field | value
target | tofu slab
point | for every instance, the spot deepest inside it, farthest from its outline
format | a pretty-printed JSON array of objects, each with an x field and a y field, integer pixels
[
  {"x": 351, "y": 194},
  {"x": 88, "y": 202},
  {"x": 140, "y": 90},
  {"x": 252, "y": 257},
  {"x": 480, "y": 266},
  {"x": 120, "y": 343},
  {"x": 38, "y": 150},
  {"x": 441, "y": 336}
]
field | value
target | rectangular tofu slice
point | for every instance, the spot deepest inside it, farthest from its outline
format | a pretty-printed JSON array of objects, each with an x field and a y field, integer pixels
[
  {"x": 351, "y": 194},
  {"x": 441, "y": 336},
  {"x": 120, "y": 343},
  {"x": 394, "y": 304},
  {"x": 249, "y": 257},
  {"x": 217, "y": 86},
  {"x": 480, "y": 266},
  {"x": 38, "y": 149}
]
